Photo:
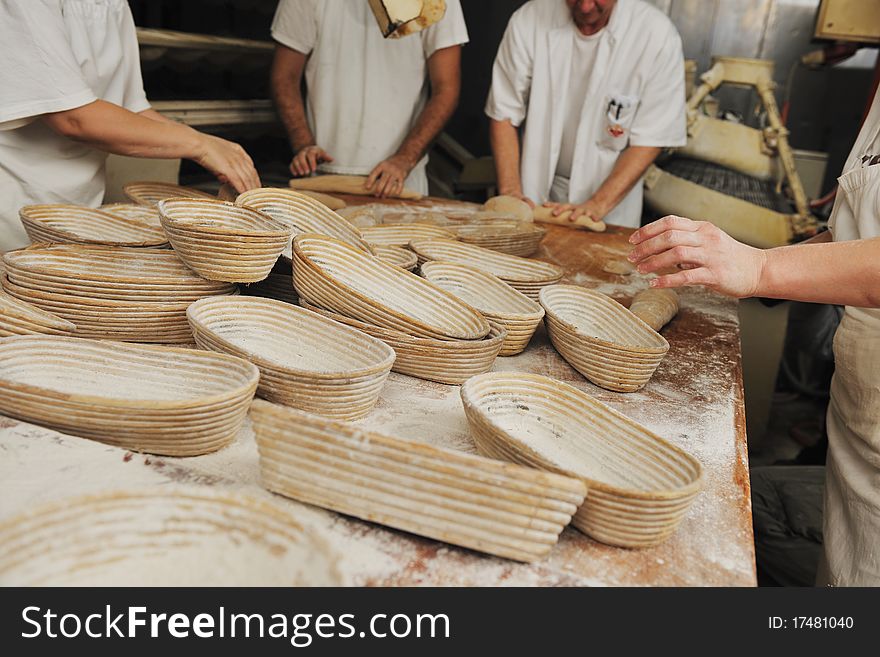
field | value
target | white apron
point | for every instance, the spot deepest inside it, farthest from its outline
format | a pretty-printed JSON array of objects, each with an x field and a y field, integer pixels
[{"x": 852, "y": 486}]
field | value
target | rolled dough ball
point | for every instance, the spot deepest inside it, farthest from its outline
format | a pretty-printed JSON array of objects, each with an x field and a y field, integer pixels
[{"x": 510, "y": 205}]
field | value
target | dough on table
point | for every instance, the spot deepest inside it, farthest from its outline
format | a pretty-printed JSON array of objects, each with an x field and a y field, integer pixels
[
  {"x": 655, "y": 307},
  {"x": 619, "y": 267},
  {"x": 510, "y": 205}
]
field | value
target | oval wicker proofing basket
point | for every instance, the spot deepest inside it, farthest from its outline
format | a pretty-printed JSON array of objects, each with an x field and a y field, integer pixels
[
  {"x": 306, "y": 361},
  {"x": 463, "y": 499},
  {"x": 394, "y": 255},
  {"x": 525, "y": 275},
  {"x": 223, "y": 242},
  {"x": 169, "y": 536},
  {"x": 146, "y": 214},
  {"x": 174, "y": 402},
  {"x": 303, "y": 215},
  {"x": 639, "y": 486},
  {"x": 62, "y": 223},
  {"x": 333, "y": 275},
  {"x": 21, "y": 318},
  {"x": 403, "y": 234},
  {"x": 445, "y": 361},
  {"x": 491, "y": 296},
  {"x": 601, "y": 339},
  {"x": 116, "y": 293},
  {"x": 150, "y": 193},
  {"x": 517, "y": 239}
]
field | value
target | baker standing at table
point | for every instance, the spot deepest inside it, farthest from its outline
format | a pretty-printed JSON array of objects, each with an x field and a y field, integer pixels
[
  {"x": 846, "y": 255},
  {"x": 373, "y": 105},
  {"x": 599, "y": 85},
  {"x": 71, "y": 93}
]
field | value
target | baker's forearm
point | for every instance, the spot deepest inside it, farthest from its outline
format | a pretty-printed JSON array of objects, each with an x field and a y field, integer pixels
[
  {"x": 114, "y": 129},
  {"x": 844, "y": 273},
  {"x": 156, "y": 116},
  {"x": 504, "y": 138},
  {"x": 444, "y": 73},
  {"x": 629, "y": 168},
  {"x": 292, "y": 110},
  {"x": 428, "y": 125},
  {"x": 285, "y": 79}
]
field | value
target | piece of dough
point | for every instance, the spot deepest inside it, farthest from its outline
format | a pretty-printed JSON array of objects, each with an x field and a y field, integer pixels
[
  {"x": 338, "y": 184},
  {"x": 361, "y": 216},
  {"x": 545, "y": 215},
  {"x": 330, "y": 201},
  {"x": 227, "y": 193},
  {"x": 510, "y": 205},
  {"x": 619, "y": 267},
  {"x": 655, "y": 307}
]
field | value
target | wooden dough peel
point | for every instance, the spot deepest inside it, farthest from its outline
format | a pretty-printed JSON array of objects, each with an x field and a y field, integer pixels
[{"x": 338, "y": 184}]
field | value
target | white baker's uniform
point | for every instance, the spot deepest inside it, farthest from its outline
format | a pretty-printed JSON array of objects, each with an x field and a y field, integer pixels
[
  {"x": 364, "y": 92},
  {"x": 635, "y": 96},
  {"x": 58, "y": 55},
  {"x": 852, "y": 484}
]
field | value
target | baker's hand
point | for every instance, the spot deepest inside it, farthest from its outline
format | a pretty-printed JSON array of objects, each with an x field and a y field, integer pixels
[
  {"x": 307, "y": 159},
  {"x": 587, "y": 209},
  {"x": 704, "y": 253},
  {"x": 387, "y": 178},
  {"x": 228, "y": 161}
]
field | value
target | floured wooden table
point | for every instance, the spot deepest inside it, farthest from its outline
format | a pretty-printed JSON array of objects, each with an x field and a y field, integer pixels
[{"x": 695, "y": 400}]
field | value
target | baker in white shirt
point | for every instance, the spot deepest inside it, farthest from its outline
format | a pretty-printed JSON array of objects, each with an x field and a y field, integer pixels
[
  {"x": 599, "y": 85},
  {"x": 71, "y": 93},
  {"x": 373, "y": 105}
]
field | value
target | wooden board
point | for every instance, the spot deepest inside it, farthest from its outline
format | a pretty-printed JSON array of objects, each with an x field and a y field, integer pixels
[{"x": 695, "y": 400}]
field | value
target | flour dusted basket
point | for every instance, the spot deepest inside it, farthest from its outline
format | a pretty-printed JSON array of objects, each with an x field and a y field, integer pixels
[
  {"x": 445, "y": 361},
  {"x": 511, "y": 237},
  {"x": 169, "y": 536},
  {"x": 336, "y": 276},
  {"x": 403, "y": 234},
  {"x": 463, "y": 499},
  {"x": 161, "y": 400},
  {"x": 639, "y": 486},
  {"x": 116, "y": 293},
  {"x": 145, "y": 214},
  {"x": 150, "y": 193},
  {"x": 302, "y": 214},
  {"x": 63, "y": 223},
  {"x": 494, "y": 298},
  {"x": 403, "y": 258},
  {"x": 525, "y": 275},
  {"x": 223, "y": 242},
  {"x": 21, "y": 318},
  {"x": 306, "y": 361},
  {"x": 601, "y": 339}
]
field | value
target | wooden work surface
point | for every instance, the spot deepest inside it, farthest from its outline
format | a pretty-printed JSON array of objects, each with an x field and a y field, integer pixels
[{"x": 694, "y": 400}]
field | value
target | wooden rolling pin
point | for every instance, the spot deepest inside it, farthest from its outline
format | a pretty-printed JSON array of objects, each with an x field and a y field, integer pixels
[
  {"x": 655, "y": 307},
  {"x": 545, "y": 215},
  {"x": 336, "y": 184}
]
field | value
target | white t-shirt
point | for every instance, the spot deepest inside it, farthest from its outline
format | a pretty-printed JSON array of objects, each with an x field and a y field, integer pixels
[
  {"x": 364, "y": 92},
  {"x": 583, "y": 58},
  {"x": 58, "y": 55},
  {"x": 635, "y": 97}
]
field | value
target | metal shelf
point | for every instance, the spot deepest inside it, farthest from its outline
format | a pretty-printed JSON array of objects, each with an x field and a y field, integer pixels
[
  {"x": 151, "y": 38},
  {"x": 217, "y": 112}
]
